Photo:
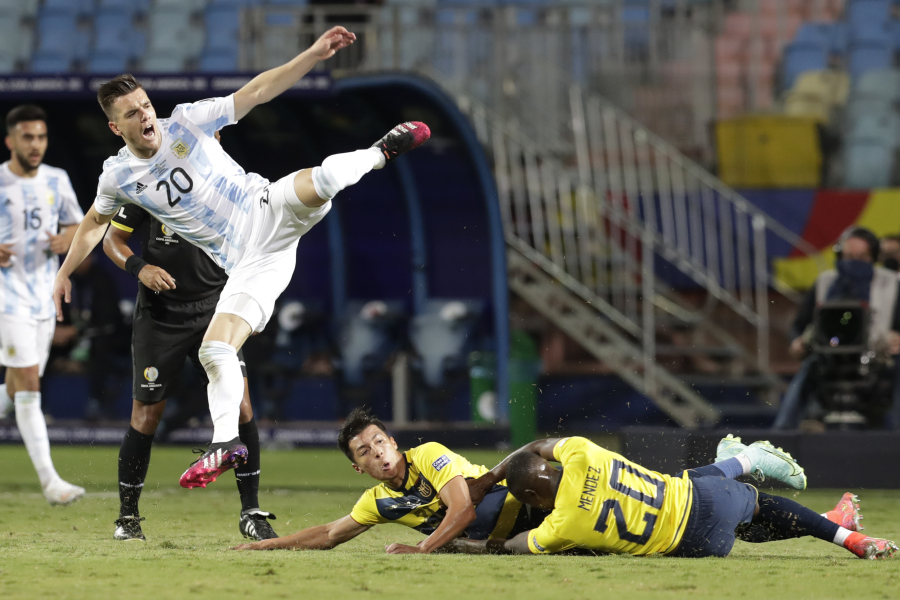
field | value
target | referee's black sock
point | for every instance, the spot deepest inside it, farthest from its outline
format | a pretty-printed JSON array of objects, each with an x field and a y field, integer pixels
[
  {"x": 134, "y": 458},
  {"x": 781, "y": 518},
  {"x": 247, "y": 475}
]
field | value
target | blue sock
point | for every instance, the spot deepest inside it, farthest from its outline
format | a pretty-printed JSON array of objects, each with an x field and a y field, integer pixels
[{"x": 730, "y": 468}]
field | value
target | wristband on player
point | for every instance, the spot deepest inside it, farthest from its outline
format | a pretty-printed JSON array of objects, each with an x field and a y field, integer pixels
[{"x": 134, "y": 264}]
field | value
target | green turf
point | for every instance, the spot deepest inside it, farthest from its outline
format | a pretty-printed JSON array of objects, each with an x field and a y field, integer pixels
[{"x": 48, "y": 552}]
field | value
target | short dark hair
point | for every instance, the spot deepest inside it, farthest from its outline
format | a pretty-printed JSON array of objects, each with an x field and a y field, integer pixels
[
  {"x": 519, "y": 471},
  {"x": 22, "y": 113},
  {"x": 891, "y": 237},
  {"x": 357, "y": 421},
  {"x": 114, "y": 89}
]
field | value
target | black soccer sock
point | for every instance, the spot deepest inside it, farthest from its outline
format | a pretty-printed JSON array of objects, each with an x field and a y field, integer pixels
[
  {"x": 247, "y": 475},
  {"x": 782, "y": 519},
  {"x": 134, "y": 458}
]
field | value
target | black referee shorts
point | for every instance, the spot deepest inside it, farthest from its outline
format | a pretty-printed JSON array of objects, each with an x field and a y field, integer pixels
[{"x": 163, "y": 337}]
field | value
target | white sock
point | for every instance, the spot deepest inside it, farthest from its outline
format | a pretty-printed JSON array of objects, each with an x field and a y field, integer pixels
[
  {"x": 6, "y": 403},
  {"x": 225, "y": 389},
  {"x": 745, "y": 462},
  {"x": 841, "y": 536},
  {"x": 33, "y": 428},
  {"x": 340, "y": 171}
]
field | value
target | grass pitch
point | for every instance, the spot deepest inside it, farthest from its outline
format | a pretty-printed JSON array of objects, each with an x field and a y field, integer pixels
[{"x": 48, "y": 552}]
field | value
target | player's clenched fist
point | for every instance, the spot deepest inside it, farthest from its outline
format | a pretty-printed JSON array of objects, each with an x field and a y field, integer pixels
[{"x": 156, "y": 279}]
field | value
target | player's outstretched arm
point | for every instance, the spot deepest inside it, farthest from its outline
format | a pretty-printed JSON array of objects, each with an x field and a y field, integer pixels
[
  {"x": 479, "y": 487},
  {"x": 459, "y": 515},
  {"x": 274, "y": 82},
  {"x": 115, "y": 245},
  {"x": 321, "y": 537},
  {"x": 90, "y": 232},
  {"x": 516, "y": 545}
]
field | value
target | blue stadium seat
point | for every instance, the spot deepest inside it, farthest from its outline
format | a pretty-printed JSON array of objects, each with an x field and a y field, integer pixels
[
  {"x": 814, "y": 33},
  {"x": 863, "y": 13},
  {"x": 49, "y": 62},
  {"x": 222, "y": 27},
  {"x": 883, "y": 126},
  {"x": 76, "y": 7},
  {"x": 869, "y": 56},
  {"x": 220, "y": 60},
  {"x": 287, "y": 2},
  {"x": 58, "y": 35},
  {"x": 636, "y": 26},
  {"x": 115, "y": 62},
  {"x": 114, "y": 32},
  {"x": 867, "y": 163},
  {"x": 799, "y": 58},
  {"x": 859, "y": 107},
  {"x": 365, "y": 342},
  {"x": 839, "y": 35}
]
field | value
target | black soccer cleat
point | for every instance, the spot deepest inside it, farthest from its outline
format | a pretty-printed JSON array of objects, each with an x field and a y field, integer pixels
[
  {"x": 403, "y": 138},
  {"x": 129, "y": 528},
  {"x": 254, "y": 524}
]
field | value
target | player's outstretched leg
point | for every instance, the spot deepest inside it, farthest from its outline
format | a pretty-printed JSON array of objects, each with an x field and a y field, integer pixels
[
  {"x": 254, "y": 523},
  {"x": 766, "y": 461},
  {"x": 846, "y": 514},
  {"x": 340, "y": 171},
  {"x": 786, "y": 519},
  {"x": 33, "y": 428}
]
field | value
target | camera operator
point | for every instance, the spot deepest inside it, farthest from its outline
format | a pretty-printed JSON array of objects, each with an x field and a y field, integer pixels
[{"x": 855, "y": 278}]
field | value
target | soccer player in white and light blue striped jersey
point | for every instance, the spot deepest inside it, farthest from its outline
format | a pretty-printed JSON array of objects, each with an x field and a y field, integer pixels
[
  {"x": 175, "y": 170},
  {"x": 38, "y": 214}
]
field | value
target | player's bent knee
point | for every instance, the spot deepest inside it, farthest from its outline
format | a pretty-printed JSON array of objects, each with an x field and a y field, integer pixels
[{"x": 214, "y": 356}]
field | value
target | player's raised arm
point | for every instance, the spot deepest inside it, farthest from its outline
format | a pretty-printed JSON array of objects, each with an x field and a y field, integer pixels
[
  {"x": 460, "y": 514},
  {"x": 274, "y": 82},
  {"x": 479, "y": 487},
  {"x": 90, "y": 232},
  {"x": 321, "y": 537}
]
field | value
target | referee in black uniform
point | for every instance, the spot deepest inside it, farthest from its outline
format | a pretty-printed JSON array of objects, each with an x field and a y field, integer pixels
[{"x": 169, "y": 323}]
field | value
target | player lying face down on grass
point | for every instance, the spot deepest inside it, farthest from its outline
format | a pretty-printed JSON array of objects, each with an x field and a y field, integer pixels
[
  {"x": 424, "y": 488},
  {"x": 603, "y": 502}
]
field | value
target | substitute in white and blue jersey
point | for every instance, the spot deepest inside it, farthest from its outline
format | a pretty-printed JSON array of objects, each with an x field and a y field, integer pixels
[{"x": 35, "y": 202}]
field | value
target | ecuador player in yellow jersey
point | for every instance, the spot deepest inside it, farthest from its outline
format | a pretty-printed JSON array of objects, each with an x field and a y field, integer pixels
[
  {"x": 424, "y": 488},
  {"x": 601, "y": 501}
]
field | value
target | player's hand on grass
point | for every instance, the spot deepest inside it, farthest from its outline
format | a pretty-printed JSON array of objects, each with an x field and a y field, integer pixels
[
  {"x": 245, "y": 547},
  {"x": 59, "y": 244},
  {"x": 156, "y": 279},
  {"x": 404, "y": 549},
  {"x": 6, "y": 255},
  {"x": 331, "y": 41},
  {"x": 62, "y": 290}
]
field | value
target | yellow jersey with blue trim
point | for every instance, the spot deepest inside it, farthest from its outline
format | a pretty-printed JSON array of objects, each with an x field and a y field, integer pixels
[
  {"x": 416, "y": 503},
  {"x": 607, "y": 503}
]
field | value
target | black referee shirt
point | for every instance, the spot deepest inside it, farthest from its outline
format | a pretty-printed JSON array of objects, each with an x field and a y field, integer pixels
[{"x": 197, "y": 277}]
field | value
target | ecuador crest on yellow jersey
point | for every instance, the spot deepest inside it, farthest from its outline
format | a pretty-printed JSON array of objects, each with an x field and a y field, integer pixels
[
  {"x": 610, "y": 504},
  {"x": 417, "y": 504}
]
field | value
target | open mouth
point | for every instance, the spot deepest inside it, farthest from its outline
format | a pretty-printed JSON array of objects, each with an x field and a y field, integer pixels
[
  {"x": 149, "y": 132},
  {"x": 386, "y": 466}
]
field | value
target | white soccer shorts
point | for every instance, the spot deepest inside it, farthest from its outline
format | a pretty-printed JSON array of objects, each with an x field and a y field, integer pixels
[
  {"x": 267, "y": 265},
  {"x": 25, "y": 342}
]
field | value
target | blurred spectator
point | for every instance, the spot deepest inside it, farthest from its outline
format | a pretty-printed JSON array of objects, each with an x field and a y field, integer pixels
[{"x": 890, "y": 252}]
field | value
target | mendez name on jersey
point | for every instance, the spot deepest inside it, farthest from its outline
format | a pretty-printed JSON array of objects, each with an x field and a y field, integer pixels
[
  {"x": 31, "y": 208},
  {"x": 190, "y": 185}
]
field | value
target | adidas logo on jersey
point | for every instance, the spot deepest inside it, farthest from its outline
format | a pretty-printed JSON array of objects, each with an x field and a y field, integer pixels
[{"x": 140, "y": 187}]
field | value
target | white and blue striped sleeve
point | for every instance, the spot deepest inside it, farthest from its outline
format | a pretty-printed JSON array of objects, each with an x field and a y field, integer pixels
[
  {"x": 210, "y": 115},
  {"x": 107, "y": 201}
]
